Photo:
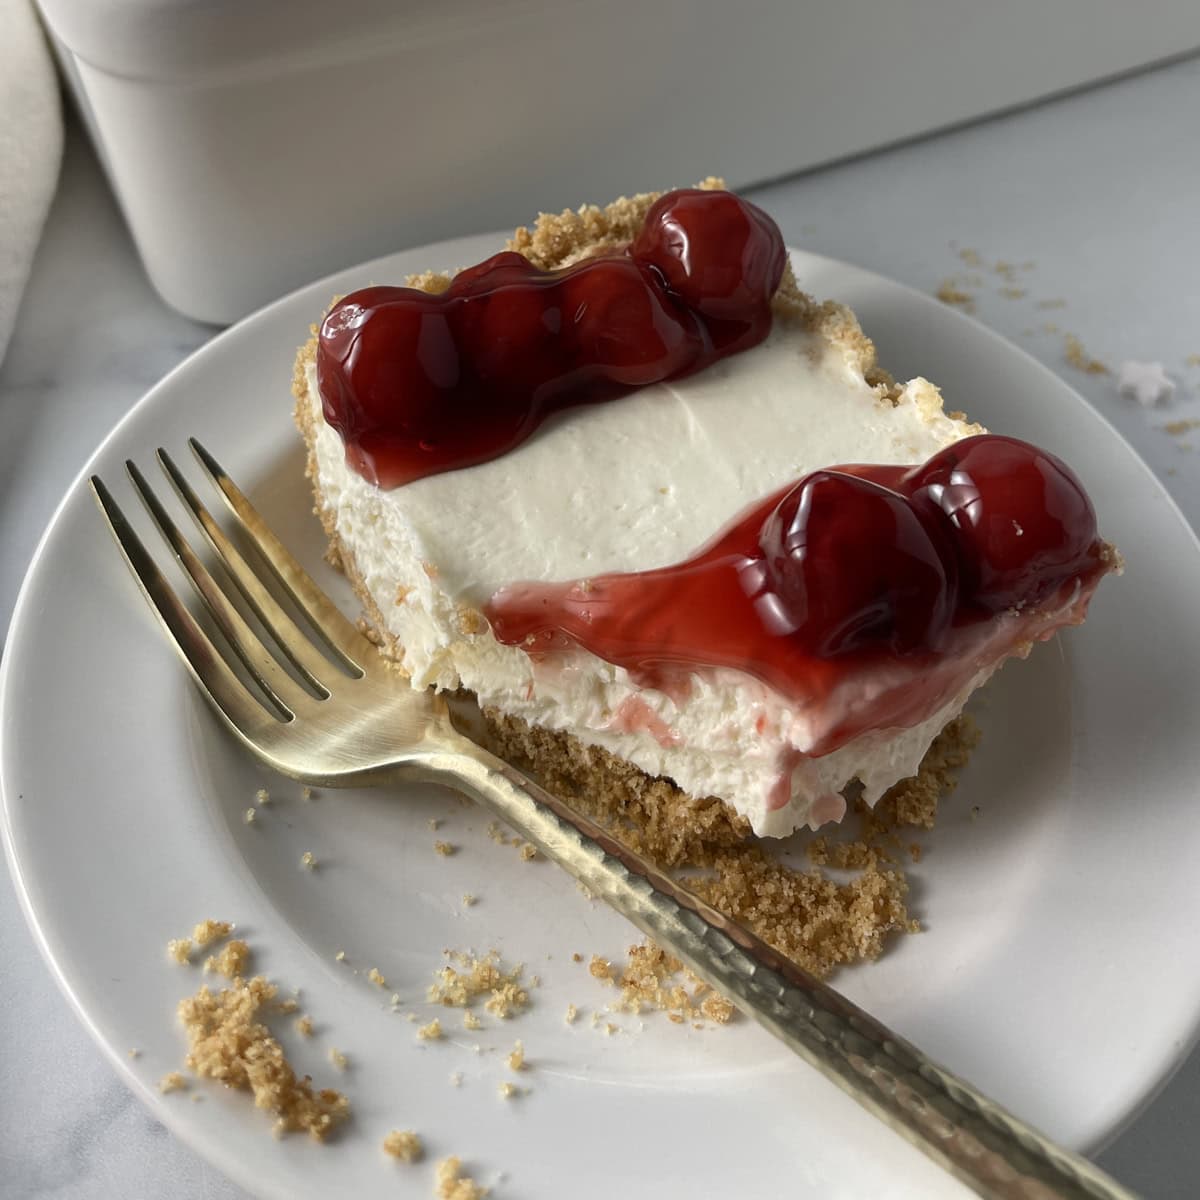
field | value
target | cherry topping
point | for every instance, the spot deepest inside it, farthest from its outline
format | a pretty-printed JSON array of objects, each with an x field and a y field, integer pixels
[
  {"x": 1022, "y": 520},
  {"x": 850, "y": 563},
  {"x": 851, "y": 568},
  {"x": 418, "y": 383}
]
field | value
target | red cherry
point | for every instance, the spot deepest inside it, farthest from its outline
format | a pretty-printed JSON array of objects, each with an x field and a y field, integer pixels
[
  {"x": 720, "y": 255},
  {"x": 419, "y": 383},
  {"x": 1024, "y": 524},
  {"x": 850, "y": 563},
  {"x": 619, "y": 323}
]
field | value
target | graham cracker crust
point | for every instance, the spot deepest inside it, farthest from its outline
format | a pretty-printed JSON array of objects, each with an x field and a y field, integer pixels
[{"x": 816, "y": 920}]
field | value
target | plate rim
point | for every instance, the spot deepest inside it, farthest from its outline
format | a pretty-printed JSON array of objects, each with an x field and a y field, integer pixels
[{"x": 175, "y": 1117}]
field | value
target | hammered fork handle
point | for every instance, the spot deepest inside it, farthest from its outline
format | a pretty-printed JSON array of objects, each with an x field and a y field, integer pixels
[{"x": 991, "y": 1151}]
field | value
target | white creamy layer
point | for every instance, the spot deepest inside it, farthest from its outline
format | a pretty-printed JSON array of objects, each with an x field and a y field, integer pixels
[{"x": 628, "y": 485}]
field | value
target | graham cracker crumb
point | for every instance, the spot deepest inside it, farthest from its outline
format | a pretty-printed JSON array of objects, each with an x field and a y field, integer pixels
[
  {"x": 471, "y": 1021},
  {"x": 600, "y": 968},
  {"x": 263, "y": 796},
  {"x": 717, "y": 1008},
  {"x": 340, "y": 956},
  {"x": 134, "y": 1052},
  {"x": 509, "y": 1090},
  {"x": 229, "y": 1044},
  {"x": 654, "y": 979},
  {"x": 431, "y": 1032},
  {"x": 456, "y": 1078},
  {"x": 572, "y": 1014},
  {"x": 1175, "y": 428},
  {"x": 529, "y": 851},
  {"x": 516, "y": 1060},
  {"x": 232, "y": 960},
  {"x": 468, "y": 900},
  {"x": 949, "y": 292},
  {"x": 286, "y": 1006},
  {"x": 376, "y": 977},
  {"x": 461, "y": 986},
  {"x": 308, "y": 860},
  {"x": 1080, "y": 359},
  {"x": 433, "y": 823},
  {"x": 507, "y": 1000},
  {"x": 452, "y": 1184},
  {"x": 1013, "y": 293},
  {"x": 180, "y": 949},
  {"x": 404, "y": 1145},
  {"x": 248, "y": 816},
  {"x": 445, "y": 849},
  {"x": 577, "y": 957},
  {"x": 338, "y": 1059},
  {"x": 172, "y": 1082},
  {"x": 304, "y": 1026},
  {"x": 211, "y": 931},
  {"x": 610, "y": 1028},
  {"x": 306, "y": 793}
]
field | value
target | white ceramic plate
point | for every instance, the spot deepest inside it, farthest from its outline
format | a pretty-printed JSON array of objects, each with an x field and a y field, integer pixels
[{"x": 1058, "y": 970}]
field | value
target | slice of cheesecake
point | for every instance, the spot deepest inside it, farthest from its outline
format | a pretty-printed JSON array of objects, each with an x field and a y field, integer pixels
[{"x": 646, "y": 570}]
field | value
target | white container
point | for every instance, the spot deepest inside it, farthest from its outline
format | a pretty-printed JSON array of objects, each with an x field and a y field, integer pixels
[{"x": 254, "y": 145}]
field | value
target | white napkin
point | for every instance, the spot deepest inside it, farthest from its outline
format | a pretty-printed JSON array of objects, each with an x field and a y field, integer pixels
[{"x": 31, "y": 135}]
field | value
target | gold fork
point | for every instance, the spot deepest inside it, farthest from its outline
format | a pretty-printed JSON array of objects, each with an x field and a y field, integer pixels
[{"x": 345, "y": 718}]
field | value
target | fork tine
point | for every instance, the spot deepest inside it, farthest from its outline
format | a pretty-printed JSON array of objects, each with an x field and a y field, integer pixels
[
  {"x": 326, "y": 618},
  {"x": 283, "y": 691},
  {"x": 290, "y": 638},
  {"x": 219, "y": 684}
]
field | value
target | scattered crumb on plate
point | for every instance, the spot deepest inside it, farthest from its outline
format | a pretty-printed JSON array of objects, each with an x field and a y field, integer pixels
[
  {"x": 1080, "y": 359},
  {"x": 458, "y": 986},
  {"x": 404, "y": 1145},
  {"x": 211, "y": 931},
  {"x": 180, "y": 949},
  {"x": 229, "y": 1044},
  {"x": 452, "y": 1184},
  {"x": 231, "y": 961}
]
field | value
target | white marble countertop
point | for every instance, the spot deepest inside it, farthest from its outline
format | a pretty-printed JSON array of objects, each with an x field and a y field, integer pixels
[{"x": 1097, "y": 191}]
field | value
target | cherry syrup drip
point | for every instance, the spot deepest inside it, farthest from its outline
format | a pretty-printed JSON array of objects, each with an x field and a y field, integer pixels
[
  {"x": 851, "y": 565},
  {"x": 417, "y": 384}
]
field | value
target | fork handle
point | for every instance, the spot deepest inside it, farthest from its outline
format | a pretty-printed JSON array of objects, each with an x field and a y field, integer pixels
[{"x": 991, "y": 1151}]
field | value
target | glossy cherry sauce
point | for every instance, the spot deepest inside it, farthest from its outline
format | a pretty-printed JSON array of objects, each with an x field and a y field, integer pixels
[
  {"x": 850, "y": 565},
  {"x": 418, "y": 383}
]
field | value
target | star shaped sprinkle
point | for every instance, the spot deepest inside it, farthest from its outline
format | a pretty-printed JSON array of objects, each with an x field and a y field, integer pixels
[{"x": 1147, "y": 383}]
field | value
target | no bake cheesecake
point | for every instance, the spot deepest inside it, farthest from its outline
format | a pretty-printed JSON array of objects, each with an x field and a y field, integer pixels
[{"x": 657, "y": 508}]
